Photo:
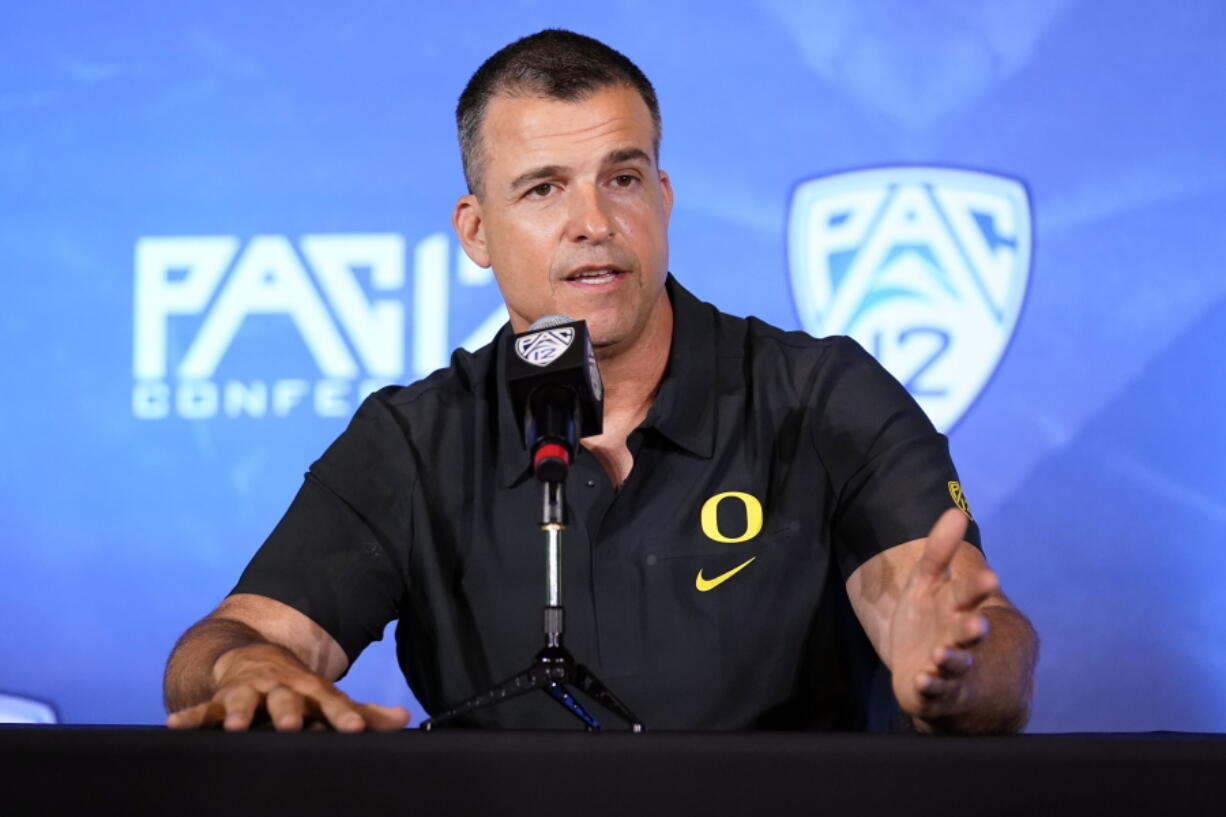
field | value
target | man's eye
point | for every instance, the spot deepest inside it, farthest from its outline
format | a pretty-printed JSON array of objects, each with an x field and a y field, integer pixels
[
  {"x": 625, "y": 180},
  {"x": 542, "y": 189}
]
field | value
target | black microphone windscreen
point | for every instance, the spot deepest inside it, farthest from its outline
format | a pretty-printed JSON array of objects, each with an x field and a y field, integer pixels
[{"x": 558, "y": 355}]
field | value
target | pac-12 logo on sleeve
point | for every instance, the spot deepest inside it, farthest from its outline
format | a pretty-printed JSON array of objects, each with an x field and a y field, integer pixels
[{"x": 926, "y": 267}]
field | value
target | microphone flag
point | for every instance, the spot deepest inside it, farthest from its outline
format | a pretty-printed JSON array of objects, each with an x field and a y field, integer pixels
[{"x": 556, "y": 391}]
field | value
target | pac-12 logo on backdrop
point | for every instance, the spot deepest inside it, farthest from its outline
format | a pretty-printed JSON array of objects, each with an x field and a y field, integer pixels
[
  {"x": 207, "y": 307},
  {"x": 926, "y": 267}
]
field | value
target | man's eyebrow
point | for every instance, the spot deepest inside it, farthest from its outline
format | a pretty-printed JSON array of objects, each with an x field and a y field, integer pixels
[
  {"x": 536, "y": 174},
  {"x": 614, "y": 157},
  {"x": 624, "y": 155}
]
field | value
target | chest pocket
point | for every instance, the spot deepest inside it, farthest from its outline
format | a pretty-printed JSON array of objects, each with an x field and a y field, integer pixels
[
  {"x": 728, "y": 524},
  {"x": 733, "y": 533},
  {"x": 736, "y": 603}
]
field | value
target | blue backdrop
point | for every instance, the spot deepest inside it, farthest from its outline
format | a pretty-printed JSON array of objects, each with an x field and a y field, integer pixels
[{"x": 220, "y": 224}]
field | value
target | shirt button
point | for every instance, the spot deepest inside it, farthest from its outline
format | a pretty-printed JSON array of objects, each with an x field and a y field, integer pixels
[{"x": 591, "y": 483}]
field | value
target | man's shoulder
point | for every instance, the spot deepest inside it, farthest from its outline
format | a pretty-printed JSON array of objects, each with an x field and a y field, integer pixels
[
  {"x": 753, "y": 354},
  {"x": 762, "y": 341},
  {"x": 466, "y": 380},
  {"x": 397, "y": 428},
  {"x": 736, "y": 335}
]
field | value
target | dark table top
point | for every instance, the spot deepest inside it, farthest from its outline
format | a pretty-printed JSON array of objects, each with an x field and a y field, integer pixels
[{"x": 142, "y": 770}]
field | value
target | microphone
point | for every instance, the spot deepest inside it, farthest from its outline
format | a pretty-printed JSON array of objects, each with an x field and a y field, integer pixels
[{"x": 556, "y": 392}]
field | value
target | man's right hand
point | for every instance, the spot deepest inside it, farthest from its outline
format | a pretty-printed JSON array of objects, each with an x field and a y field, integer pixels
[
  {"x": 265, "y": 679},
  {"x": 255, "y": 657}
]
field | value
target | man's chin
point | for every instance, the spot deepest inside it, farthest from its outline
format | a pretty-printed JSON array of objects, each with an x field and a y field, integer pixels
[
  {"x": 603, "y": 342},
  {"x": 606, "y": 327},
  {"x": 608, "y": 339}
]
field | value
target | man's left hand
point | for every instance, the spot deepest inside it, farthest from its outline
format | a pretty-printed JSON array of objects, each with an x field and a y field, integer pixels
[{"x": 936, "y": 625}]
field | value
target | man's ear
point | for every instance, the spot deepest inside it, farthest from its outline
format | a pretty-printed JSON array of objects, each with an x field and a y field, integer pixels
[
  {"x": 469, "y": 226},
  {"x": 666, "y": 189}
]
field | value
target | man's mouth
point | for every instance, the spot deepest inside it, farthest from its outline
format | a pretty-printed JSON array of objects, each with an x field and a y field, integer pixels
[{"x": 595, "y": 275}]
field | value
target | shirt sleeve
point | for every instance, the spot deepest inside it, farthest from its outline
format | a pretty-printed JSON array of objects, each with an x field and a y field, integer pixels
[
  {"x": 339, "y": 554},
  {"x": 889, "y": 467}
]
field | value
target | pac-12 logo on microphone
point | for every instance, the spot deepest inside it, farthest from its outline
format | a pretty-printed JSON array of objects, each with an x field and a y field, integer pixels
[
  {"x": 926, "y": 267},
  {"x": 542, "y": 348}
]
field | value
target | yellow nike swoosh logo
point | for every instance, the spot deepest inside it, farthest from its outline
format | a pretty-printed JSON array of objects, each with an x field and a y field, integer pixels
[{"x": 704, "y": 585}]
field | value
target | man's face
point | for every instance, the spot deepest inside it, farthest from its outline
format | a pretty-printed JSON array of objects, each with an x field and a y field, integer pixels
[{"x": 574, "y": 212}]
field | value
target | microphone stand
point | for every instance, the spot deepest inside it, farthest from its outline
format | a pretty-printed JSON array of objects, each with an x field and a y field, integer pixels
[{"x": 554, "y": 667}]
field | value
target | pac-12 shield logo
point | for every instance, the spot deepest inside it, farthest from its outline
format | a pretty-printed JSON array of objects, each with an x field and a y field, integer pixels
[
  {"x": 542, "y": 348},
  {"x": 926, "y": 267}
]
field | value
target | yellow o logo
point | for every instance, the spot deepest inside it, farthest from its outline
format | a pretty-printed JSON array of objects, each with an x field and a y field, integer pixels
[{"x": 753, "y": 517}]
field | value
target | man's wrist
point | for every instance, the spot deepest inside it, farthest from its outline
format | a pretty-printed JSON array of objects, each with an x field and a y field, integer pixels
[
  {"x": 973, "y": 723},
  {"x": 999, "y": 685}
]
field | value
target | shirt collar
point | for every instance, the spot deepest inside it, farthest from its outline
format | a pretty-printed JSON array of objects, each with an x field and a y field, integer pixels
[{"x": 684, "y": 408}]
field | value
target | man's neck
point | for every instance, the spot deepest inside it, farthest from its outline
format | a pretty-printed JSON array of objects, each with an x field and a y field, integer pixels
[{"x": 631, "y": 379}]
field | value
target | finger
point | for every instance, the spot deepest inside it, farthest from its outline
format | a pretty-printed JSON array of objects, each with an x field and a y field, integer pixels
[
  {"x": 324, "y": 702},
  {"x": 183, "y": 718},
  {"x": 933, "y": 688},
  {"x": 952, "y": 663},
  {"x": 286, "y": 708},
  {"x": 240, "y": 704},
  {"x": 941, "y": 545},
  {"x": 972, "y": 629},
  {"x": 385, "y": 718},
  {"x": 209, "y": 713},
  {"x": 190, "y": 718},
  {"x": 340, "y": 712},
  {"x": 976, "y": 589}
]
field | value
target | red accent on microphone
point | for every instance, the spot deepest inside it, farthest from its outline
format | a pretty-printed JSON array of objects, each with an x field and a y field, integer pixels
[{"x": 550, "y": 451}]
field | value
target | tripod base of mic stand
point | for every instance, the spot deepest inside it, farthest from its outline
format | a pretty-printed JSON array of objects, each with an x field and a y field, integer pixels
[{"x": 551, "y": 670}]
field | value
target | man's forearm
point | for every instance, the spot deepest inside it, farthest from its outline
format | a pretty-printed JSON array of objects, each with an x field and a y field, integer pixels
[
  {"x": 189, "y": 671},
  {"x": 1001, "y": 681}
]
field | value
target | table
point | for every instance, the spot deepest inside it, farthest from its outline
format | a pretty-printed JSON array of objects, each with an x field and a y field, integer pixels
[{"x": 143, "y": 770}]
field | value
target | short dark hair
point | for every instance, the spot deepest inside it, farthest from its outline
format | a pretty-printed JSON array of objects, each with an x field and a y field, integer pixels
[{"x": 555, "y": 64}]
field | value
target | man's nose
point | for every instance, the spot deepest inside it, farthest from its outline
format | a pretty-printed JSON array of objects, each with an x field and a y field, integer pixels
[{"x": 590, "y": 219}]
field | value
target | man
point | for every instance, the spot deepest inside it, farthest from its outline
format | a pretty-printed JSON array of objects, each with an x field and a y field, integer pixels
[{"x": 751, "y": 489}]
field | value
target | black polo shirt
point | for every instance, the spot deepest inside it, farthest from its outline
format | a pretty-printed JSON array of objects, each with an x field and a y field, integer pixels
[{"x": 708, "y": 593}]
